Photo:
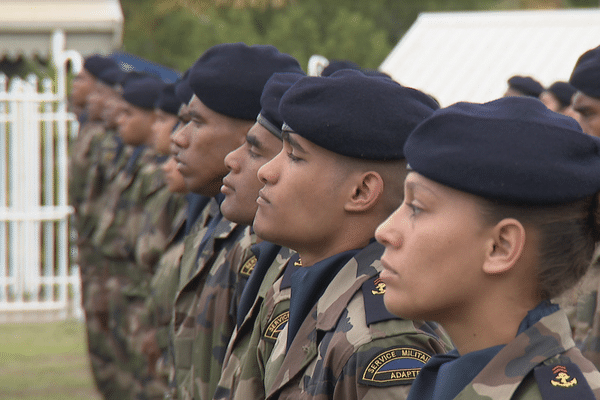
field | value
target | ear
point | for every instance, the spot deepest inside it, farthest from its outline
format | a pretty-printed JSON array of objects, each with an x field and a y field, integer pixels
[
  {"x": 365, "y": 193},
  {"x": 505, "y": 246}
]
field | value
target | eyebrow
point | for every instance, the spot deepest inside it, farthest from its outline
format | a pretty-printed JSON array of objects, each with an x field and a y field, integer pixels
[
  {"x": 253, "y": 141},
  {"x": 286, "y": 136},
  {"x": 417, "y": 186},
  {"x": 195, "y": 115}
]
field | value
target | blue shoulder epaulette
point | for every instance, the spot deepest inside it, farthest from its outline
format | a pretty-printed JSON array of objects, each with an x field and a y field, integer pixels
[
  {"x": 375, "y": 311},
  {"x": 562, "y": 381},
  {"x": 264, "y": 255}
]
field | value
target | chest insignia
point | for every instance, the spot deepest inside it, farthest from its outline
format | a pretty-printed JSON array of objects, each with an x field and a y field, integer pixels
[
  {"x": 248, "y": 266},
  {"x": 276, "y": 325},
  {"x": 379, "y": 287},
  {"x": 562, "y": 378},
  {"x": 394, "y": 366}
]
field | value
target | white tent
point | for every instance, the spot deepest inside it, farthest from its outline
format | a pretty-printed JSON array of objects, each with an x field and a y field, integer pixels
[
  {"x": 469, "y": 56},
  {"x": 90, "y": 26}
]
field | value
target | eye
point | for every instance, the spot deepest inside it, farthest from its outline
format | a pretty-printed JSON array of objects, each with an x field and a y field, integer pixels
[
  {"x": 252, "y": 153},
  {"x": 292, "y": 157},
  {"x": 415, "y": 209}
]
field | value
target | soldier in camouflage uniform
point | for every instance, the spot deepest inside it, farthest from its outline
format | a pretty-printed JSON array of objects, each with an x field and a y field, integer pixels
[
  {"x": 106, "y": 155},
  {"x": 324, "y": 332},
  {"x": 483, "y": 256},
  {"x": 586, "y": 103},
  {"x": 122, "y": 280},
  {"x": 227, "y": 82},
  {"x": 241, "y": 188},
  {"x": 156, "y": 222}
]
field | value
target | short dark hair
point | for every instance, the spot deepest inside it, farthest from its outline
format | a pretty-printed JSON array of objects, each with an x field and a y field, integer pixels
[{"x": 568, "y": 235}]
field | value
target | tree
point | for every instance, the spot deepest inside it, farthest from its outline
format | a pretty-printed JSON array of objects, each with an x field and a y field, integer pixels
[{"x": 175, "y": 32}]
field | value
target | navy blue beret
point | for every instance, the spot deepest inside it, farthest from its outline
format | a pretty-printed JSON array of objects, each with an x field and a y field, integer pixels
[
  {"x": 275, "y": 87},
  {"x": 229, "y": 78},
  {"x": 131, "y": 76},
  {"x": 355, "y": 115},
  {"x": 167, "y": 101},
  {"x": 183, "y": 90},
  {"x": 563, "y": 91},
  {"x": 337, "y": 65},
  {"x": 526, "y": 85},
  {"x": 513, "y": 149},
  {"x": 96, "y": 63},
  {"x": 143, "y": 92},
  {"x": 586, "y": 74},
  {"x": 112, "y": 76}
]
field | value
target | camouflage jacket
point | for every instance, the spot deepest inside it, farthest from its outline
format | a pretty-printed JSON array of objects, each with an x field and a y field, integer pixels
[
  {"x": 155, "y": 216},
  {"x": 347, "y": 345},
  {"x": 243, "y": 343},
  {"x": 81, "y": 158},
  {"x": 203, "y": 309},
  {"x": 540, "y": 363},
  {"x": 109, "y": 160}
]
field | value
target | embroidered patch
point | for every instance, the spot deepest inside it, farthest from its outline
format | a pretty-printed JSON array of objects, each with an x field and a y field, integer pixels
[
  {"x": 379, "y": 287},
  {"x": 562, "y": 378},
  {"x": 276, "y": 325},
  {"x": 395, "y": 366},
  {"x": 248, "y": 266},
  {"x": 562, "y": 381}
]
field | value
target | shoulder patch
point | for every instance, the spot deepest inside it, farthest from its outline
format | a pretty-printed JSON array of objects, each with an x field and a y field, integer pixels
[
  {"x": 562, "y": 381},
  {"x": 276, "y": 325},
  {"x": 375, "y": 311},
  {"x": 394, "y": 366},
  {"x": 248, "y": 266}
]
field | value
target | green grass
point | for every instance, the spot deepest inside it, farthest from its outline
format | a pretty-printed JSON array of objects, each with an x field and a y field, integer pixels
[{"x": 45, "y": 361}]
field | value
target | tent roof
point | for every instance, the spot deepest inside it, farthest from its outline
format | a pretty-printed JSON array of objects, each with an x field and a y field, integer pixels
[
  {"x": 469, "y": 56},
  {"x": 91, "y": 26}
]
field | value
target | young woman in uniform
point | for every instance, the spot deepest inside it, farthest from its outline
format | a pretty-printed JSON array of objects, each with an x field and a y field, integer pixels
[{"x": 500, "y": 215}]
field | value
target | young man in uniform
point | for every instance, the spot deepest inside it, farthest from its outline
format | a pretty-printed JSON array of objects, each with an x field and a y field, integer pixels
[
  {"x": 324, "y": 331},
  {"x": 240, "y": 187},
  {"x": 227, "y": 82},
  {"x": 586, "y": 101},
  {"x": 113, "y": 239}
]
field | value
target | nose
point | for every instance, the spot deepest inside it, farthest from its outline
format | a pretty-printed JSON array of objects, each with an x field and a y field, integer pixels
[
  {"x": 180, "y": 137},
  {"x": 232, "y": 160},
  {"x": 269, "y": 172},
  {"x": 388, "y": 233},
  {"x": 120, "y": 119}
]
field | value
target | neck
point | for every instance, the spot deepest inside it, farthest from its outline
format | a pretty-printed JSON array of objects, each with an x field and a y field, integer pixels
[
  {"x": 355, "y": 232},
  {"x": 487, "y": 324}
]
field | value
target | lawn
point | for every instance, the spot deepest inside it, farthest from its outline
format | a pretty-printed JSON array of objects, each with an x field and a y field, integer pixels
[{"x": 45, "y": 361}]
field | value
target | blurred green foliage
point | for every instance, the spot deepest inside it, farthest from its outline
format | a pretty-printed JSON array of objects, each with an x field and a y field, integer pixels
[{"x": 175, "y": 32}]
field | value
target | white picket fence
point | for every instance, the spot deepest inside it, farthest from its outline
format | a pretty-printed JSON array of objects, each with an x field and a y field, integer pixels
[{"x": 37, "y": 278}]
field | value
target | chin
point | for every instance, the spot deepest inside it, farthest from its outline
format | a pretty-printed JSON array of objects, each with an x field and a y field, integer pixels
[{"x": 262, "y": 230}]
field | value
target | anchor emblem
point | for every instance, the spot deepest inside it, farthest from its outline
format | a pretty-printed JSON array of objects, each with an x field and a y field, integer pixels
[
  {"x": 562, "y": 378},
  {"x": 380, "y": 286}
]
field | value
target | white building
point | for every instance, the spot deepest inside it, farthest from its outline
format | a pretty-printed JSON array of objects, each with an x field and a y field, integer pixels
[{"x": 469, "y": 56}]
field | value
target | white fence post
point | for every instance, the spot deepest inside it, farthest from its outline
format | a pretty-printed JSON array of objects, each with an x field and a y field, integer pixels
[{"x": 36, "y": 278}]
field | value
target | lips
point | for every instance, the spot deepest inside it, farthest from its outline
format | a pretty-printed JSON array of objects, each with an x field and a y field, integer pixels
[
  {"x": 262, "y": 199},
  {"x": 387, "y": 271},
  {"x": 227, "y": 188}
]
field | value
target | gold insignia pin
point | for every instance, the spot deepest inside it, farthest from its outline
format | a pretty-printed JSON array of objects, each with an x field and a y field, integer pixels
[
  {"x": 562, "y": 378},
  {"x": 379, "y": 286}
]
